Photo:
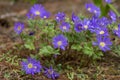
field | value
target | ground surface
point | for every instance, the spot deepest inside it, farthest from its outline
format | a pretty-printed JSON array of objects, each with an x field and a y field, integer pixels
[{"x": 106, "y": 69}]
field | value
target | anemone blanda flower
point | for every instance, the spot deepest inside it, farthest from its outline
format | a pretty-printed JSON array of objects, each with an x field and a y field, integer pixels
[
  {"x": 50, "y": 73},
  {"x": 37, "y": 9},
  {"x": 94, "y": 24},
  {"x": 104, "y": 21},
  {"x": 18, "y": 27},
  {"x": 31, "y": 66},
  {"x": 102, "y": 31},
  {"x": 30, "y": 15},
  {"x": 60, "y": 41},
  {"x": 78, "y": 27},
  {"x": 86, "y": 24},
  {"x": 65, "y": 26},
  {"x": 75, "y": 18},
  {"x": 108, "y": 1},
  {"x": 45, "y": 14},
  {"x": 93, "y": 9},
  {"x": 112, "y": 16},
  {"x": 104, "y": 43},
  {"x": 116, "y": 31},
  {"x": 60, "y": 16}
]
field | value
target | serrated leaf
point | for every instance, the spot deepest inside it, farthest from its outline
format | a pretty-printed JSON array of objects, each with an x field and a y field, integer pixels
[
  {"x": 77, "y": 47},
  {"x": 48, "y": 50},
  {"x": 29, "y": 45},
  {"x": 88, "y": 49}
]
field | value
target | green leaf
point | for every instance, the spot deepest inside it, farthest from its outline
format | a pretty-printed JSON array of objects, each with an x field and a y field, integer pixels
[
  {"x": 77, "y": 47},
  {"x": 97, "y": 55},
  {"x": 29, "y": 45},
  {"x": 116, "y": 49},
  {"x": 88, "y": 49},
  {"x": 97, "y": 2},
  {"x": 48, "y": 50}
]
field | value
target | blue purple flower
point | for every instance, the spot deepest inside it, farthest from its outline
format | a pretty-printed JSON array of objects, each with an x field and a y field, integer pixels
[
  {"x": 31, "y": 66},
  {"x": 117, "y": 30},
  {"x": 86, "y": 24},
  {"x": 60, "y": 41},
  {"x": 108, "y": 1},
  {"x": 104, "y": 21},
  {"x": 50, "y": 73},
  {"x": 18, "y": 27},
  {"x": 60, "y": 16},
  {"x": 75, "y": 18},
  {"x": 102, "y": 31},
  {"x": 93, "y": 9},
  {"x": 94, "y": 24},
  {"x": 112, "y": 16},
  {"x": 30, "y": 15},
  {"x": 65, "y": 26},
  {"x": 78, "y": 27},
  {"x": 37, "y": 9},
  {"x": 104, "y": 43},
  {"x": 45, "y": 14}
]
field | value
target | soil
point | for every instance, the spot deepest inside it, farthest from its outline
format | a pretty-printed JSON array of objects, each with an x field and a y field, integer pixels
[{"x": 106, "y": 69}]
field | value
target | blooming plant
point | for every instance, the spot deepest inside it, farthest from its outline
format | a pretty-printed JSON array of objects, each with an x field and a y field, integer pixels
[{"x": 88, "y": 37}]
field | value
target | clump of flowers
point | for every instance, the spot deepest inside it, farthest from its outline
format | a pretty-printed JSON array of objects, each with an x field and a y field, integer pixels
[{"x": 65, "y": 36}]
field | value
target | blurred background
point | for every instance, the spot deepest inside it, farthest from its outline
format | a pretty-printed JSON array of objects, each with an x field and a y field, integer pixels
[{"x": 15, "y": 10}]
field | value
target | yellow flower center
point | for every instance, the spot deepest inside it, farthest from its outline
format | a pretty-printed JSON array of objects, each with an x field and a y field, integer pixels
[
  {"x": 102, "y": 44},
  {"x": 59, "y": 43},
  {"x": 89, "y": 9},
  {"x": 19, "y": 28},
  {"x": 64, "y": 27},
  {"x": 30, "y": 65},
  {"x": 37, "y": 13},
  {"x": 85, "y": 26},
  {"x": 102, "y": 32}
]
